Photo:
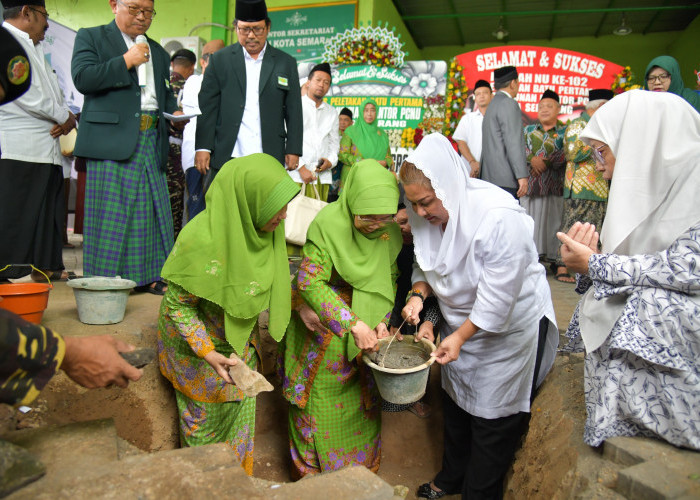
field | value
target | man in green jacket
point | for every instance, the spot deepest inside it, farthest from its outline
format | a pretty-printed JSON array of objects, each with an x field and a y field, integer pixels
[
  {"x": 250, "y": 98},
  {"x": 126, "y": 82}
]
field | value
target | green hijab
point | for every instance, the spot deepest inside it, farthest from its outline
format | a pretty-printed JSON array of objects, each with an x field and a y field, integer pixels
[
  {"x": 222, "y": 255},
  {"x": 677, "y": 86},
  {"x": 371, "y": 141},
  {"x": 363, "y": 260}
]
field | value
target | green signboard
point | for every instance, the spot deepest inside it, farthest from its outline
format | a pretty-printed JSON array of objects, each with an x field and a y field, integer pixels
[{"x": 302, "y": 31}]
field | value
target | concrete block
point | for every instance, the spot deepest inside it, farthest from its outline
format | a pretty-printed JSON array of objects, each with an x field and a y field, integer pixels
[
  {"x": 628, "y": 451},
  {"x": 65, "y": 448},
  {"x": 655, "y": 481},
  {"x": 200, "y": 472},
  {"x": 349, "y": 483}
]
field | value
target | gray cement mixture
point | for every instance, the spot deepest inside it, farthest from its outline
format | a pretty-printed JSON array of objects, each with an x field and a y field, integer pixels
[{"x": 401, "y": 355}]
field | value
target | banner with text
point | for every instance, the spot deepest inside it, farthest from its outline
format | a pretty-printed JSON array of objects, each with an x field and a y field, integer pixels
[
  {"x": 302, "y": 32},
  {"x": 570, "y": 74}
]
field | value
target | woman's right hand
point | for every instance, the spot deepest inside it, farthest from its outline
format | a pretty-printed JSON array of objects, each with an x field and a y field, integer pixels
[
  {"x": 412, "y": 309},
  {"x": 426, "y": 331},
  {"x": 311, "y": 319},
  {"x": 220, "y": 364},
  {"x": 365, "y": 337}
]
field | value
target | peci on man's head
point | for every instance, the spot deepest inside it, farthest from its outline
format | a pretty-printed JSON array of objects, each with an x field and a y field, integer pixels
[
  {"x": 252, "y": 25},
  {"x": 506, "y": 79},
  {"x": 133, "y": 17},
  {"x": 29, "y": 16}
]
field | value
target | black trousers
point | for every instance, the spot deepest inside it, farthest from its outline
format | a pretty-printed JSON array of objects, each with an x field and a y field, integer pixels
[
  {"x": 32, "y": 213},
  {"x": 479, "y": 451}
]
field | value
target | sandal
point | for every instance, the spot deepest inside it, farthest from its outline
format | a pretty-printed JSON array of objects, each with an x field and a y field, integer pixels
[
  {"x": 565, "y": 278},
  {"x": 156, "y": 288},
  {"x": 54, "y": 276},
  {"x": 420, "y": 409},
  {"x": 425, "y": 491}
]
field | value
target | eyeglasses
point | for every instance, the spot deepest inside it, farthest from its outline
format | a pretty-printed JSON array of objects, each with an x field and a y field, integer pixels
[
  {"x": 658, "y": 78},
  {"x": 598, "y": 155},
  {"x": 45, "y": 14},
  {"x": 135, "y": 11},
  {"x": 246, "y": 30},
  {"x": 377, "y": 220}
]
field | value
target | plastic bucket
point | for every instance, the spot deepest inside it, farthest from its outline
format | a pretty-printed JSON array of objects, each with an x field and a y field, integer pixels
[
  {"x": 28, "y": 300},
  {"x": 402, "y": 385},
  {"x": 100, "y": 300}
]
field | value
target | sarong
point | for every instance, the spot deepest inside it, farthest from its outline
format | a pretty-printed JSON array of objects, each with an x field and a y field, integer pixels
[
  {"x": 32, "y": 211},
  {"x": 576, "y": 210},
  {"x": 128, "y": 223}
]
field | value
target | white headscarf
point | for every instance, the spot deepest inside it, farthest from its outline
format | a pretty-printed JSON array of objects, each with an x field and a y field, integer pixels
[
  {"x": 466, "y": 200},
  {"x": 655, "y": 137}
]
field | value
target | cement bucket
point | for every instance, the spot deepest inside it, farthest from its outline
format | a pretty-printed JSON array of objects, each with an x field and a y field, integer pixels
[
  {"x": 402, "y": 385},
  {"x": 101, "y": 300}
]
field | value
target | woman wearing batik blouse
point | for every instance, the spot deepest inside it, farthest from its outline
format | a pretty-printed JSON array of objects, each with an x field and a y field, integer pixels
[
  {"x": 639, "y": 320},
  {"x": 347, "y": 279},
  {"x": 227, "y": 266}
]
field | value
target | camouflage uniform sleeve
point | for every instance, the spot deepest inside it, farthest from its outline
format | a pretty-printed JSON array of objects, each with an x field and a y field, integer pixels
[{"x": 29, "y": 356}]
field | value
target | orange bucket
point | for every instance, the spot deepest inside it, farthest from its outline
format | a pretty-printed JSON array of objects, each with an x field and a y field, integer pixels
[{"x": 29, "y": 300}]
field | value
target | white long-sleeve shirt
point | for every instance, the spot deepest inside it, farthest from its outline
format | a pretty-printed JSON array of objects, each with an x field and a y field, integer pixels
[
  {"x": 25, "y": 123},
  {"x": 190, "y": 106},
  {"x": 469, "y": 131},
  {"x": 321, "y": 138},
  {"x": 249, "y": 140}
]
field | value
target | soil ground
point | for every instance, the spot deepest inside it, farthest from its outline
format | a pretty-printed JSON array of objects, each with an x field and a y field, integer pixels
[{"x": 145, "y": 413}]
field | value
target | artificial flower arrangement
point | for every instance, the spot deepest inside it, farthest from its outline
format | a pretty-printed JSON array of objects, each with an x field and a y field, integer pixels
[
  {"x": 624, "y": 81},
  {"x": 457, "y": 94},
  {"x": 375, "y": 45}
]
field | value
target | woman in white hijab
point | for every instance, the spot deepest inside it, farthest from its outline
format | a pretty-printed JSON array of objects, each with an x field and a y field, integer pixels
[
  {"x": 475, "y": 252},
  {"x": 639, "y": 319}
]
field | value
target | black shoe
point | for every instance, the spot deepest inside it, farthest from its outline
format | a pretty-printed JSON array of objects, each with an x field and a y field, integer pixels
[{"x": 425, "y": 491}]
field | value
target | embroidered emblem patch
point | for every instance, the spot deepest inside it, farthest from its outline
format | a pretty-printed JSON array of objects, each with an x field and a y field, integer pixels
[
  {"x": 282, "y": 81},
  {"x": 18, "y": 70}
]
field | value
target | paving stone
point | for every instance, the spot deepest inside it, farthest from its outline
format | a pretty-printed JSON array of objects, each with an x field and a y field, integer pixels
[
  {"x": 350, "y": 483},
  {"x": 653, "y": 481},
  {"x": 68, "y": 447},
  {"x": 201, "y": 472},
  {"x": 18, "y": 467},
  {"x": 634, "y": 450}
]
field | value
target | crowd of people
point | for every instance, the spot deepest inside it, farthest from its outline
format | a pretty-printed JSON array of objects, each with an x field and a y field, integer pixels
[{"x": 194, "y": 211}]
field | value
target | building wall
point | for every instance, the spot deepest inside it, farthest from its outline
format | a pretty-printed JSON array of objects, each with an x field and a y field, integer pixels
[{"x": 177, "y": 18}]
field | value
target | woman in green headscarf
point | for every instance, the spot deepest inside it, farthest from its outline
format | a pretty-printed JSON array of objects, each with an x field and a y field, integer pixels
[
  {"x": 346, "y": 288},
  {"x": 228, "y": 264},
  {"x": 663, "y": 74},
  {"x": 364, "y": 140}
]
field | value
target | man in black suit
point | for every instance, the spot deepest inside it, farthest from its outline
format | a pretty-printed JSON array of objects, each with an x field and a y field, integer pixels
[{"x": 250, "y": 98}]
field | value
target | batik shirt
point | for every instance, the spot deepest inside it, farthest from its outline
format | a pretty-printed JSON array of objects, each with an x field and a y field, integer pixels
[
  {"x": 29, "y": 356},
  {"x": 645, "y": 377},
  {"x": 321, "y": 288},
  {"x": 582, "y": 181},
  {"x": 547, "y": 144}
]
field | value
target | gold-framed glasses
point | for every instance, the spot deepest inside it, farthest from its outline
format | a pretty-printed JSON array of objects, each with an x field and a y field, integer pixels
[{"x": 135, "y": 11}]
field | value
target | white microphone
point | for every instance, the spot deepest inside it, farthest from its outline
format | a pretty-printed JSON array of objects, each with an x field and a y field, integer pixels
[{"x": 141, "y": 68}]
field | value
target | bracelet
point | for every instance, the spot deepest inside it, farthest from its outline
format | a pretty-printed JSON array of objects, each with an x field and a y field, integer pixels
[{"x": 416, "y": 293}]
